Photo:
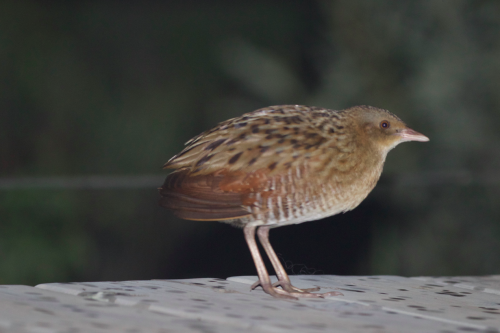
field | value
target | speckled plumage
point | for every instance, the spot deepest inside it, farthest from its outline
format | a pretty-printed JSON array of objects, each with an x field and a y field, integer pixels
[{"x": 282, "y": 165}]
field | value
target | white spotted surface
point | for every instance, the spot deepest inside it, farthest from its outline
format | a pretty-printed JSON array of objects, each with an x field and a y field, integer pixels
[
  {"x": 370, "y": 304},
  {"x": 26, "y": 309}
]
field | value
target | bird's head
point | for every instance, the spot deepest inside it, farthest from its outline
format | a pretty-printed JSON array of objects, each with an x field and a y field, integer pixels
[{"x": 383, "y": 128}]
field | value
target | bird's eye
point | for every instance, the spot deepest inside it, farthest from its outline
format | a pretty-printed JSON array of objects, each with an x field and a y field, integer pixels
[{"x": 384, "y": 124}]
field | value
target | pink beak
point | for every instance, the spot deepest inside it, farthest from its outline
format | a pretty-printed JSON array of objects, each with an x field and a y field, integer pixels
[{"x": 408, "y": 134}]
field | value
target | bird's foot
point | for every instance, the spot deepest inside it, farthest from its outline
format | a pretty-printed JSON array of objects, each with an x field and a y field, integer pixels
[
  {"x": 288, "y": 291},
  {"x": 290, "y": 288}
]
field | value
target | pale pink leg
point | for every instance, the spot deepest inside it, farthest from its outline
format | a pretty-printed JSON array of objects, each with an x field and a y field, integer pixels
[
  {"x": 283, "y": 279},
  {"x": 264, "y": 280}
]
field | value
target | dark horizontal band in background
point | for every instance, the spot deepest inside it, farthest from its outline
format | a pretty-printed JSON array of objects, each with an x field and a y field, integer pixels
[{"x": 98, "y": 182}]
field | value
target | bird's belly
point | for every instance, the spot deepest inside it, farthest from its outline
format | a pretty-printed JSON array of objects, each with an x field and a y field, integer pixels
[{"x": 312, "y": 203}]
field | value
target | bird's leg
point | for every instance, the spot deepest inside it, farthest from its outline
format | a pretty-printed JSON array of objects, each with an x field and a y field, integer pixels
[
  {"x": 283, "y": 279},
  {"x": 264, "y": 280}
]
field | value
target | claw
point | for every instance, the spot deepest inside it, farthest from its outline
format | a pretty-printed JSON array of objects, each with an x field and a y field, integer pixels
[
  {"x": 288, "y": 287},
  {"x": 291, "y": 292}
]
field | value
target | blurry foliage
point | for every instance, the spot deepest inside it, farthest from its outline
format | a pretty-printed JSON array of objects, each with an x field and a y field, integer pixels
[
  {"x": 41, "y": 239},
  {"x": 116, "y": 88}
]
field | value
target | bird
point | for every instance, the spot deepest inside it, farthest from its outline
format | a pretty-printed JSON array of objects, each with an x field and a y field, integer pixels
[{"x": 282, "y": 165}]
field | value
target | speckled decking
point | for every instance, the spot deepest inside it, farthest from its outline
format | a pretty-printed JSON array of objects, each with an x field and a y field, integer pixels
[{"x": 370, "y": 304}]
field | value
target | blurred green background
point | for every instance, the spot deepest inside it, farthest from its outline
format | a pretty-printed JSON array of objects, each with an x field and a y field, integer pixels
[{"x": 113, "y": 89}]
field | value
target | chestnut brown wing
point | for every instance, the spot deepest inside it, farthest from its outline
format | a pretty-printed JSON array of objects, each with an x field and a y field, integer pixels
[
  {"x": 226, "y": 172},
  {"x": 200, "y": 197},
  {"x": 226, "y": 195}
]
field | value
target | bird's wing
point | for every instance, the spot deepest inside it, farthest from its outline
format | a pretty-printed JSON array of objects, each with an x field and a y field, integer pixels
[
  {"x": 200, "y": 197},
  {"x": 226, "y": 195},
  {"x": 221, "y": 171},
  {"x": 266, "y": 138}
]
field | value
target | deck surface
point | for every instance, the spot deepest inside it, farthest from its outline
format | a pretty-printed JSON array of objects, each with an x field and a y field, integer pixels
[{"x": 370, "y": 304}]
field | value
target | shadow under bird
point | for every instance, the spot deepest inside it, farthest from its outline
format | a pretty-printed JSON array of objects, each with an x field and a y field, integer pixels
[{"x": 282, "y": 165}]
